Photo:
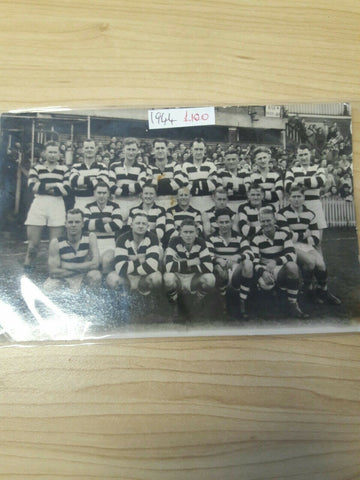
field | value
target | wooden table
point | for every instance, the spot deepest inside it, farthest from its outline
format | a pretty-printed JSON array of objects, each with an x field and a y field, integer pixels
[{"x": 221, "y": 408}]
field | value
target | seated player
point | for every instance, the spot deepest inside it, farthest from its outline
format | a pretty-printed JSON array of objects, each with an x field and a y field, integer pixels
[
  {"x": 136, "y": 259},
  {"x": 74, "y": 258},
  {"x": 104, "y": 218},
  {"x": 232, "y": 259},
  {"x": 301, "y": 222},
  {"x": 188, "y": 265},
  {"x": 182, "y": 210},
  {"x": 275, "y": 260},
  {"x": 248, "y": 213},
  {"x": 49, "y": 183},
  {"x": 220, "y": 198},
  {"x": 155, "y": 213}
]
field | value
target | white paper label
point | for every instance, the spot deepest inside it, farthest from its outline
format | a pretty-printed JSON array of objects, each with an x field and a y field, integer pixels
[
  {"x": 181, "y": 117},
  {"x": 273, "y": 111}
]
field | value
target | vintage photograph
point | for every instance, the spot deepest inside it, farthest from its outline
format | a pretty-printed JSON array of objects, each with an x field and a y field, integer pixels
[{"x": 113, "y": 228}]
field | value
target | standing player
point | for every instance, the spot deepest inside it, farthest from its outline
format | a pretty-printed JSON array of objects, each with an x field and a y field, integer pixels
[
  {"x": 234, "y": 179},
  {"x": 232, "y": 259},
  {"x": 248, "y": 213},
  {"x": 162, "y": 174},
  {"x": 312, "y": 177},
  {"x": 156, "y": 215},
  {"x": 220, "y": 197},
  {"x": 104, "y": 218},
  {"x": 275, "y": 260},
  {"x": 270, "y": 182},
  {"x": 128, "y": 176},
  {"x": 84, "y": 176},
  {"x": 49, "y": 184},
  {"x": 182, "y": 210},
  {"x": 199, "y": 175},
  {"x": 136, "y": 259},
  {"x": 188, "y": 265},
  {"x": 74, "y": 258},
  {"x": 301, "y": 221}
]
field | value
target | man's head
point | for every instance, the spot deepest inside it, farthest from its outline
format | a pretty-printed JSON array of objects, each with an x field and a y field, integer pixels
[
  {"x": 131, "y": 149},
  {"x": 303, "y": 155},
  {"x": 183, "y": 197},
  {"x": 140, "y": 223},
  {"x": 188, "y": 231},
  {"x": 223, "y": 219},
  {"x": 231, "y": 160},
  {"x": 160, "y": 148},
  {"x": 296, "y": 196},
  {"x": 101, "y": 193},
  {"x": 89, "y": 149},
  {"x": 267, "y": 220},
  {"x": 198, "y": 149},
  {"x": 220, "y": 198},
  {"x": 255, "y": 195},
  {"x": 148, "y": 194},
  {"x": 52, "y": 152},
  {"x": 262, "y": 157},
  {"x": 74, "y": 221}
]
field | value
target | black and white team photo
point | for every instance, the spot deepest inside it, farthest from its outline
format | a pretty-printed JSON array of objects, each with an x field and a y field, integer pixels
[{"x": 248, "y": 223}]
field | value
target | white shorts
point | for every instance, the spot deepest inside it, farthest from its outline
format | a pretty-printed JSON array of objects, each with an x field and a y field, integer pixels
[
  {"x": 46, "y": 210},
  {"x": 81, "y": 202},
  {"x": 134, "y": 281},
  {"x": 202, "y": 203},
  {"x": 316, "y": 207},
  {"x": 105, "y": 244},
  {"x": 303, "y": 247},
  {"x": 275, "y": 274},
  {"x": 185, "y": 280},
  {"x": 73, "y": 283}
]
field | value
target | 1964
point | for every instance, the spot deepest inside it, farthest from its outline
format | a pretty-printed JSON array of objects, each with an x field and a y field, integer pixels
[{"x": 162, "y": 118}]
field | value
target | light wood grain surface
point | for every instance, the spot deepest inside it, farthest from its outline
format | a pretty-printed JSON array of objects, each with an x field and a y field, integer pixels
[{"x": 232, "y": 408}]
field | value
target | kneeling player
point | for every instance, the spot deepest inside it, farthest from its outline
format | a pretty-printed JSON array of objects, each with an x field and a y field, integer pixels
[
  {"x": 232, "y": 258},
  {"x": 302, "y": 223},
  {"x": 136, "y": 259},
  {"x": 188, "y": 264},
  {"x": 275, "y": 260},
  {"x": 73, "y": 259}
]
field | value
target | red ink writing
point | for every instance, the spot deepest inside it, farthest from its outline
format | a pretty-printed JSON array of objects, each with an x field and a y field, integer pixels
[{"x": 195, "y": 117}]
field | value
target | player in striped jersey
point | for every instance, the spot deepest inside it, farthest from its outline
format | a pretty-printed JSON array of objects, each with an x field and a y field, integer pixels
[
  {"x": 162, "y": 174},
  {"x": 182, "y": 210},
  {"x": 275, "y": 260},
  {"x": 301, "y": 222},
  {"x": 312, "y": 177},
  {"x": 50, "y": 184},
  {"x": 248, "y": 213},
  {"x": 74, "y": 258},
  {"x": 234, "y": 179},
  {"x": 270, "y": 182},
  {"x": 84, "y": 176},
  {"x": 232, "y": 259},
  {"x": 128, "y": 176},
  {"x": 136, "y": 259},
  {"x": 199, "y": 175},
  {"x": 220, "y": 198},
  {"x": 105, "y": 219},
  {"x": 156, "y": 215},
  {"x": 188, "y": 264}
]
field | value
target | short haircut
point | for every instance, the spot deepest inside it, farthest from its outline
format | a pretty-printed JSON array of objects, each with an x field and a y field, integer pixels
[
  {"x": 160, "y": 140},
  {"x": 103, "y": 184},
  {"x": 140, "y": 214},
  {"x": 303, "y": 146},
  {"x": 75, "y": 211},
  {"x": 297, "y": 188},
  {"x": 149, "y": 185},
  {"x": 222, "y": 211},
  {"x": 188, "y": 222},
  {"x": 52, "y": 143},
  {"x": 269, "y": 210},
  {"x": 130, "y": 141},
  {"x": 88, "y": 140},
  {"x": 231, "y": 151},
  {"x": 255, "y": 186},
  {"x": 221, "y": 190},
  {"x": 261, "y": 150},
  {"x": 187, "y": 189},
  {"x": 198, "y": 140}
]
